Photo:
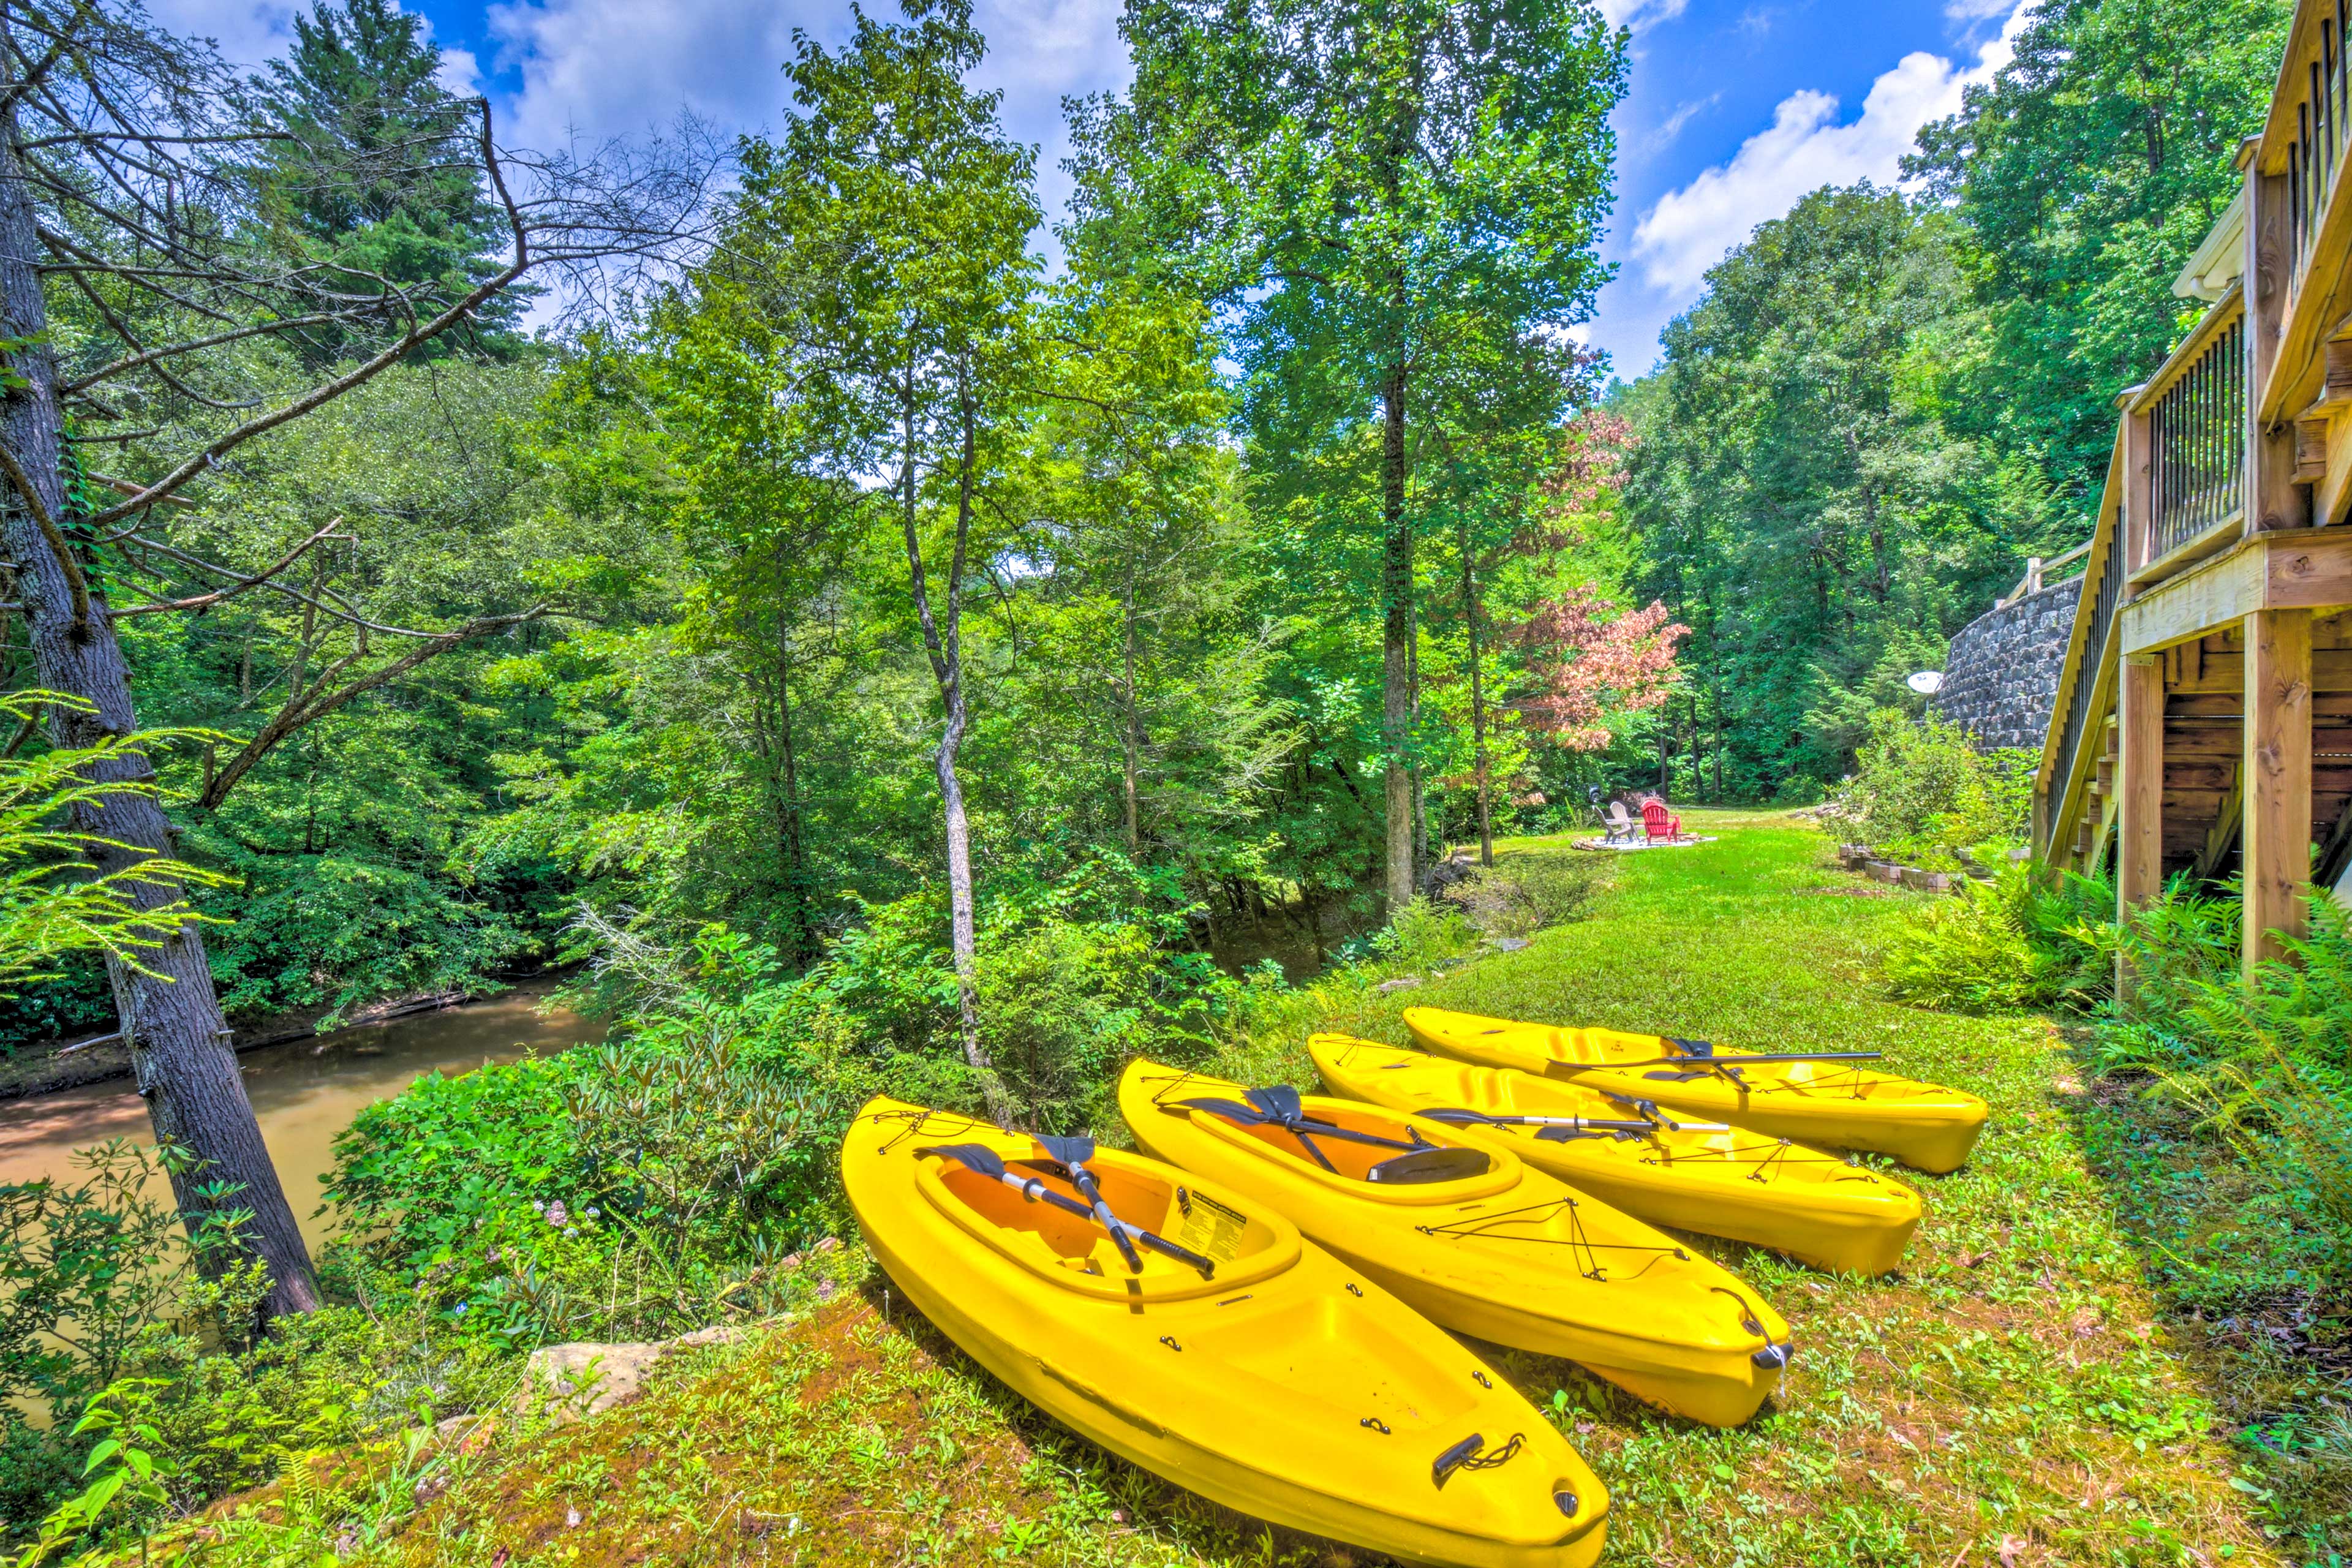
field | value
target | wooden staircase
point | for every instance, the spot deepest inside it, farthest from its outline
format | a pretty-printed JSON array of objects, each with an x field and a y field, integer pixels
[{"x": 2203, "y": 725}]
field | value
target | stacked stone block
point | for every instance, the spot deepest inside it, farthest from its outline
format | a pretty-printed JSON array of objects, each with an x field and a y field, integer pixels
[{"x": 2000, "y": 678}]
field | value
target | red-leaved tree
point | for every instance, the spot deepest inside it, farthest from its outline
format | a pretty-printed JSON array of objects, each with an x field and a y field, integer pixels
[{"x": 1589, "y": 660}]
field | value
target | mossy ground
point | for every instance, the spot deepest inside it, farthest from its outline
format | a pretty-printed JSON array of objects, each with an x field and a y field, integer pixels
[{"x": 2014, "y": 1396}]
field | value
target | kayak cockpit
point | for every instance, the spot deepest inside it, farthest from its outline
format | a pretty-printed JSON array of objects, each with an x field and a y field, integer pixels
[
  {"x": 1372, "y": 1152},
  {"x": 1073, "y": 1250}
]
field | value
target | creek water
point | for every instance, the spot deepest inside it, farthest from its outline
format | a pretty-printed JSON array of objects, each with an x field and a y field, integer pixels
[{"x": 304, "y": 1092}]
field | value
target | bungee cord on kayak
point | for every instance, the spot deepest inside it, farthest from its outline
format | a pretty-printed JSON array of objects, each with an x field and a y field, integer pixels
[{"x": 1578, "y": 1241}]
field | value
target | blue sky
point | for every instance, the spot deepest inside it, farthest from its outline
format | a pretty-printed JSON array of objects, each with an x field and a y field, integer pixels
[{"x": 1737, "y": 107}]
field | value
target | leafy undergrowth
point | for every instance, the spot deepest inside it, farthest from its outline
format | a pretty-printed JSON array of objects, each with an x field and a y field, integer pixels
[
  {"x": 2011, "y": 1398},
  {"x": 2252, "y": 1309}
]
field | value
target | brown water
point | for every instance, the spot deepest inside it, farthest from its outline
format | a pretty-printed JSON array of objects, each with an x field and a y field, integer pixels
[{"x": 304, "y": 1092}]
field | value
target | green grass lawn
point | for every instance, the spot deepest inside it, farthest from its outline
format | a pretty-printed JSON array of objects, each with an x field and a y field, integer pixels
[{"x": 2011, "y": 1398}]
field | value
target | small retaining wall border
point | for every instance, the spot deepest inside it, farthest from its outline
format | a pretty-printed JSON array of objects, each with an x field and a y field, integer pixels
[{"x": 1861, "y": 857}]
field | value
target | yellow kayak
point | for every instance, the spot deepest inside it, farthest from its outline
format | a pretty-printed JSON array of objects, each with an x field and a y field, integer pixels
[
  {"x": 1925, "y": 1125},
  {"x": 1475, "y": 1238},
  {"x": 1704, "y": 1177},
  {"x": 1187, "y": 1328}
]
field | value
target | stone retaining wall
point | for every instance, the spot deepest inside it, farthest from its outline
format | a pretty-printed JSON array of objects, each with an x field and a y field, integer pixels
[{"x": 2001, "y": 679}]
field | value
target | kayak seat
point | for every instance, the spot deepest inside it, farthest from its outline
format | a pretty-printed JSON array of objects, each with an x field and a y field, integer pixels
[
  {"x": 1077, "y": 1253},
  {"x": 1431, "y": 1164}
]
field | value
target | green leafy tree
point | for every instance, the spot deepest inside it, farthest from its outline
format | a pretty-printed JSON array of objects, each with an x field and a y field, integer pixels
[
  {"x": 1398, "y": 205},
  {"x": 2083, "y": 177},
  {"x": 1800, "y": 502},
  {"x": 900, "y": 213}
]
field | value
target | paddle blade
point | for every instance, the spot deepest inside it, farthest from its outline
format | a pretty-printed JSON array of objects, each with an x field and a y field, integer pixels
[
  {"x": 1278, "y": 1100},
  {"x": 1067, "y": 1150},
  {"x": 971, "y": 1157},
  {"x": 1423, "y": 1166},
  {"x": 1460, "y": 1116}
]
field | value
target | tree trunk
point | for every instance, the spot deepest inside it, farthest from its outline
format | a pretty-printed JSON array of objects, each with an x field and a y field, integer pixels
[
  {"x": 1133, "y": 739},
  {"x": 788, "y": 803},
  {"x": 180, "y": 1046},
  {"x": 1477, "y": 699},
  {"x": 946, "y": 651},
  {"x": 1396, "y": 662}
]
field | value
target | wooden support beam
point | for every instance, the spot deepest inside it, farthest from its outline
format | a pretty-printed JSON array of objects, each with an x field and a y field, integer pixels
[
  {"x": 2278, "y": 774},
  {"x": 2224, "y": 674},
  {"x": 2304, "y": 569},
  {"x": 2140, "y": 807}
]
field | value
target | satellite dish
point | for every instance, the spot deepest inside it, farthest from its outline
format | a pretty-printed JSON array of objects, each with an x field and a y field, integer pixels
[{"x": 1927, "y": 683}]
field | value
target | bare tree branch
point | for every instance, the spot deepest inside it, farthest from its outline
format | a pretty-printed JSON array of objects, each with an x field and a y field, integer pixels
[{"x": 313, "y": 703}]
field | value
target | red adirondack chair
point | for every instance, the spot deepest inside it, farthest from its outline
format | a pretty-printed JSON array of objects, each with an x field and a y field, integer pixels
[{"x": 1662, "y": 825}]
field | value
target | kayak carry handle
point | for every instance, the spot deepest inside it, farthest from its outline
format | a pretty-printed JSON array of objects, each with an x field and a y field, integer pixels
[
  {"x": 1466, "y": 1456},
  {"x": 986, "y": 1161}
]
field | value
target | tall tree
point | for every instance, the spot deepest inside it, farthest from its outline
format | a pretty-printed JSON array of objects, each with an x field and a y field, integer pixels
[
  {"x": 372, "y": 170},
  {"x": 129, "y": 191},
  {"x": 907, "y": 213},
  {"x": 1799, "y": 497},
  {"x": 2083, "y": 174},
  {"x": 1394, "y": 202}
]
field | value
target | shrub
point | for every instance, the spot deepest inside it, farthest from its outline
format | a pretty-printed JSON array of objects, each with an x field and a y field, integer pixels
[
  {"x": 2268, "y": 1065},
  {"x": 633, "y": 1190},
  {"x": 1920, "y": 790},
  {"x": 1525, "y": 892},
  {"x": 2012, "y": 942},
  {"x": 108, "y": 1303}
]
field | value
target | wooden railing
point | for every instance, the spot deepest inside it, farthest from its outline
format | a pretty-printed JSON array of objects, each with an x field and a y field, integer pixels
[
  {"x": 2321, "y": 92},
  {"x": 2041, "y": 574},
  {"x": 2196, "y": 427},
  {"x": 2088, "y": 674}
]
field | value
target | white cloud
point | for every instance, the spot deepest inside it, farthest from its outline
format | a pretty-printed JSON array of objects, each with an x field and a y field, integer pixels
[
  {"x": 460, "y": 72},
  {"x": 1641, "y": 15},
  {"x": 1972, "y": 11},
  {"x": 246, "y": 32},
  {"x": 604, "y": 68},
  {"x": 623, "y": 68},
  {"x": 1688, "y": 230},
  {"x": 1672, "y": 126}
]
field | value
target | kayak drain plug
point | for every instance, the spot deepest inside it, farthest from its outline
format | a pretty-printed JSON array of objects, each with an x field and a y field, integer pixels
[{"x": 1566, "y": 1502}]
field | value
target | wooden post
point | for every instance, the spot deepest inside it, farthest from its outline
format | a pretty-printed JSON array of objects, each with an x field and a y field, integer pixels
[
  {"x": 2278, "y": 774},
  {"x": 2139, "y": 792},
  {"x": 2136, "y": 525},
  {"x": 2272, "y": 499}
]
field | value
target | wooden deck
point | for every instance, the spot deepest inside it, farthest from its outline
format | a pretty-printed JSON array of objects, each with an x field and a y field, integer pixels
[{"x": 2204, "y": 719}]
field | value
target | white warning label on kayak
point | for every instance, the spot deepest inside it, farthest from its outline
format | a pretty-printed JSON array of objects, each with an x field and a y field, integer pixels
[{"x": 1211, "y": 1228}]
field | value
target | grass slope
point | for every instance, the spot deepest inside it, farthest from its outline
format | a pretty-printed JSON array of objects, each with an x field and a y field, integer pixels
[{"x": 2009, "y": 1399}]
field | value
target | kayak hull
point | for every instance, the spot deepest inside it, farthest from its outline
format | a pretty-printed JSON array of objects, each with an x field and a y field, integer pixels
[
  {"x": 1812, "y": 1206},
  {"x": 1303, "y": 1397},
  {"x": 1926, "y": 1126},
  {"x": 1628, "y": 1304}
]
